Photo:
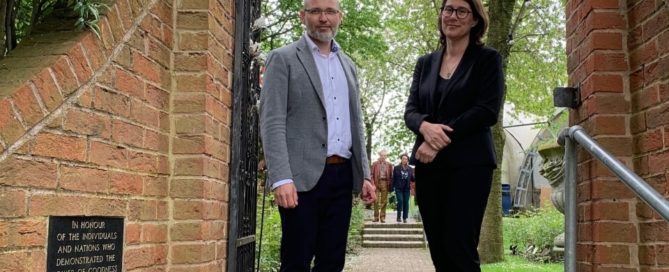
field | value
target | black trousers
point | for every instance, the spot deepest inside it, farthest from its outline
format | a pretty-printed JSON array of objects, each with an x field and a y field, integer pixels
[
  {"x": 317, "y": 228},
  {"x": 452, "y": 202}
]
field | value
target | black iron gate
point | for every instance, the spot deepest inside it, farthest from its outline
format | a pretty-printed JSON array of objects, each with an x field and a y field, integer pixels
[{"x": 244, "y": 146}]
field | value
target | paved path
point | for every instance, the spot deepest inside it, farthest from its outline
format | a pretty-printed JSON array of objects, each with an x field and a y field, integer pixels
[{"x": 389, "y": 259}]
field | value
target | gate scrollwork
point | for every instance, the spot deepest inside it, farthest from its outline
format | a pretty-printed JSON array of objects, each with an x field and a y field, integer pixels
[{"x": 244, "y": 143}]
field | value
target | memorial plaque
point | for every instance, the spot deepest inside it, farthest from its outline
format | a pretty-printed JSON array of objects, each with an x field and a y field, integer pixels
[{"x": 85, "y": 244}]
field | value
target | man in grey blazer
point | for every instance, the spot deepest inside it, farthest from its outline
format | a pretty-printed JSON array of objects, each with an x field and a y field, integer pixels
[{"x": 313, "y": 139}]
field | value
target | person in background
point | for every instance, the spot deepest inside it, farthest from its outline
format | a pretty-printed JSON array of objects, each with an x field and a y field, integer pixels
[
  {"x": 382, "y": 174},
  {"x": 313, "y": 140},
  {"x": 454, "y": 99},
  {"x": 402, "y": 179}
]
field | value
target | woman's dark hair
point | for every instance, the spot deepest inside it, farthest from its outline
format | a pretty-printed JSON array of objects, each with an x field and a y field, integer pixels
[
  {"x": 404, "y": 155},
  {"x": 477, "y": 32}
]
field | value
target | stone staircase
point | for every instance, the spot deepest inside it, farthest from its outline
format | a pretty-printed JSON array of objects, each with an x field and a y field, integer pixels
[{"x": 393, "y": 235}]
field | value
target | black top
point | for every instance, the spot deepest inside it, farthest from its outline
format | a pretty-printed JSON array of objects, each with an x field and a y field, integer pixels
[
  {"x": 402, "y": 177},
  {"x": 442, "y": 85},
  {"x": 469, "y": 102}
]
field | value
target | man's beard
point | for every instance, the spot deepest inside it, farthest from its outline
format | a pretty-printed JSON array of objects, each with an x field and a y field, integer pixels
[{"x": 323, "y": 36}]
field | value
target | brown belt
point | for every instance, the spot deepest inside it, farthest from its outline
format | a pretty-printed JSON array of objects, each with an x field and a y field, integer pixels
[{"x": 334, "y": 159}]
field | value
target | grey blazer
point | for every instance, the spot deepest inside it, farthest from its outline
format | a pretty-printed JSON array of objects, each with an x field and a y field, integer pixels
[{"x": 293, "y": 124}]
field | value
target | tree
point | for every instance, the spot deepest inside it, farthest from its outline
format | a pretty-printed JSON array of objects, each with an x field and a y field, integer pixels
[
  {"x": 359, "y": 35},
  {"x": 3, "y": 15},
  {"x": 411, "y": 31},
  {"x": 491, "y": 246},
  {"x": 530, "y": 38},
  {"x": 283, "y": 24}
]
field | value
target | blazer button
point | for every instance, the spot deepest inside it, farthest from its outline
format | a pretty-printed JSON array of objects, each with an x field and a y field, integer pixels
[
  {"x": 323, "y": 118},
  {"x": 323, "y": 145}
]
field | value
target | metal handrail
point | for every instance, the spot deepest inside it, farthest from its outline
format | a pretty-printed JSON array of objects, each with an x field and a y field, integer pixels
[{"x": 576, "y": 135}]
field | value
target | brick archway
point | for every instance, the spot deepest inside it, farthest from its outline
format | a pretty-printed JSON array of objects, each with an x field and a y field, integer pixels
[
  {"x": 618, "y": 53},
  {"x": 135, "y": 124}
]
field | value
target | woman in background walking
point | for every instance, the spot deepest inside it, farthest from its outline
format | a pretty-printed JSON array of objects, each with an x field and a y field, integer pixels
[{"x": 402, "y": 178}]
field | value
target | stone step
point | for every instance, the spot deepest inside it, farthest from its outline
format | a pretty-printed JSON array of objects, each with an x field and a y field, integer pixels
[
  {"x": 393, "y": 237},
  {"x": 405, "y": 231},
  {"x": 393, "y": 225},
  {"x": 385, "y": 244}
]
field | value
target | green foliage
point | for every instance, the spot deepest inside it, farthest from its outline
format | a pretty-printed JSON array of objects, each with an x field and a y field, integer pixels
[
  {"x": 283, "y": 23},
  {"x": 23, "y": 19},
  {"x": 537, "y": 61},
  {"x": 359, "y": 34},
  {"x": 414, "y": 212},
  {"x": 357, "y": 224},
  {"x": 559, "y": 122},
  {"x": 29, "y": 13},
  {"x": 392, "y": 201},
  {"x": 89, "y": 14},
  {"x": 534, "y": 228},
  {"x": 271, "y": 234},
  {"x": 361, "y": 30}
]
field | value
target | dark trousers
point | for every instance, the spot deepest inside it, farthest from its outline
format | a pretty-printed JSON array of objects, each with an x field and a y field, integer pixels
[
  {"x": 452, "y": 202},
  {"x": 318, "y": 227},
  {"x": 402, "y": 203}
]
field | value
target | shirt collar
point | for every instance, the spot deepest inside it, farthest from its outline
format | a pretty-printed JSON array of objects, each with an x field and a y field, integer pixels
[{"x": 334, "y": 46}]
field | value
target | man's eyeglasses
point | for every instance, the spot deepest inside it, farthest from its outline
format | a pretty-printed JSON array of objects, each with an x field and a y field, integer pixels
[
  {"x": 317, "y": 12},
  {"x": 461, "y": 13}
]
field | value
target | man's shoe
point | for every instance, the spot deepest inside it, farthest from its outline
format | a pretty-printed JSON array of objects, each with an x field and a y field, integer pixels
[
  {"x": 405, "y": 220},
  {"x": 383, "y": 221},
  {"x": 398, "y": 220},
  {"x": 375, "y": 220}
]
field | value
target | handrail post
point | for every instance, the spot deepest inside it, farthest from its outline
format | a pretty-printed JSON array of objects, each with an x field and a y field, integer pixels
[
  {"x": 570, "y": 201},
  {"x": 577, "y": 135}
]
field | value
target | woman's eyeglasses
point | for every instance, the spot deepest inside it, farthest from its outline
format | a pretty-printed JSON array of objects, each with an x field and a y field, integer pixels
[{"x": 461, "y": 13}]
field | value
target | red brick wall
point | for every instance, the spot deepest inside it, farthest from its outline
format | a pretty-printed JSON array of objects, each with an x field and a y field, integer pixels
[
  {"x": 619, "y": 56},
  {"x": 134, "y": 124}
]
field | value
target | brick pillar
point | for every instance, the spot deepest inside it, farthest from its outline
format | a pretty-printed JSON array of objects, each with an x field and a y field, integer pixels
[
  {"x": 200, "y": 108},
  {"x": 598, "y": 63},
  {"x": 648, "y": 43}
]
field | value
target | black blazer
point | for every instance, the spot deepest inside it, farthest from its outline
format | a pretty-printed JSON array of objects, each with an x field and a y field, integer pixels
[{"x": 470, "y": 105}]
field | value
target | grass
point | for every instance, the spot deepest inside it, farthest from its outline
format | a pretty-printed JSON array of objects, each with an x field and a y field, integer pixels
[{"x": 519, "y": 264}]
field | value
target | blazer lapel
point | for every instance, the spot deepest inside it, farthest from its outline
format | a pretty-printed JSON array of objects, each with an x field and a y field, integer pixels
[
  {"x": 432, "y": 82},
  {"x": 459, "y": 73},
  {"x": 307, "y": 59}
]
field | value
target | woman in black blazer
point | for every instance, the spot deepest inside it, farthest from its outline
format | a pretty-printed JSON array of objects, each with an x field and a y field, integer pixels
[{"x": 454, "y": 99}]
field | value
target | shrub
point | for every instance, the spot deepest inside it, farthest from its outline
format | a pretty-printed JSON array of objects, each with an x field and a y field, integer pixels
[
  {"x": 535, "y": 230},
  {"x": 392, "y": 201},
  {"x": 18, "y": 18},
  {"x": 357, "y": 224},
  {"x": 271, "y": 235}
]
